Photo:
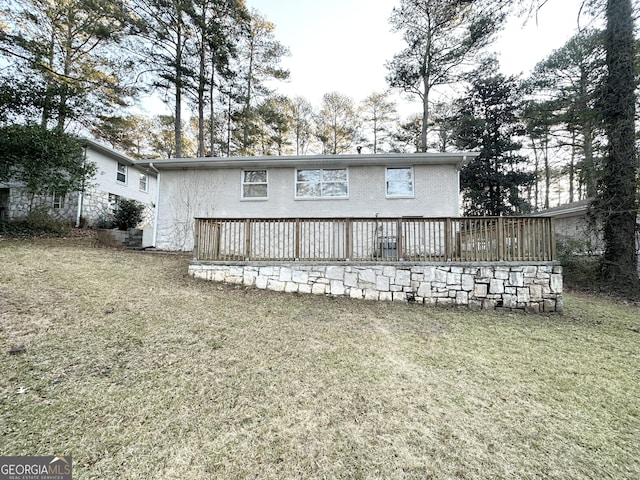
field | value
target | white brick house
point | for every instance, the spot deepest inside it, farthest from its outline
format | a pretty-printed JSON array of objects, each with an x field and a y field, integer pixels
[{"x": 388, "y": 185}]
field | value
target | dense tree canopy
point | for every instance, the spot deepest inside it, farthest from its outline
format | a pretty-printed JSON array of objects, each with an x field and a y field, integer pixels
[
  {"x": 66, "y": 51},
  {"x": 443, "y": 37},
  {"x": 337, "y": 123},
  {"x": 378, "y": 113},
  {"x": 44, "y": 161},
  {"x": 567, "y": 87},
  {"x": 487, "y": 120}
]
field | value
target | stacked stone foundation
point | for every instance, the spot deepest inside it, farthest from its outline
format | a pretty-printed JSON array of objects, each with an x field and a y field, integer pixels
[{"x": 534, "y": 288}]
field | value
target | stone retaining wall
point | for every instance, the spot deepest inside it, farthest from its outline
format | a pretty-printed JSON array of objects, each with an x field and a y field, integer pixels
[{"x": 505, "y": 286}]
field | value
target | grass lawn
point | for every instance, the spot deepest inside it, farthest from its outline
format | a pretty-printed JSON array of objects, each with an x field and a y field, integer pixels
[{"x": 140, "y": 372}]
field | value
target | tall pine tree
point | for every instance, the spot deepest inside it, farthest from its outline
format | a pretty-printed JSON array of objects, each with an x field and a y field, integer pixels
[
  {"x": 617, "y": 202},
  {"x": 444, "y": 37},
  {"x": 487, "y": 120}
]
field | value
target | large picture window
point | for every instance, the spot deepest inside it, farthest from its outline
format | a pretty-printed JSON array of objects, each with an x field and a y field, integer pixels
[
  {"x": 322, "y": 183},
  {"x": 254, "y": 184},
  {"x": 399, "y": 182}
]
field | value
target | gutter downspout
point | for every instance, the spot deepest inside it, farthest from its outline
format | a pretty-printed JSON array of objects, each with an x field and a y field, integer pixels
[
  {"x": 79, "y": 210},
  {"x": 81, "y": 193},
  {"x": 157, "y": 207},
  {"x": 464, "y": 159}
]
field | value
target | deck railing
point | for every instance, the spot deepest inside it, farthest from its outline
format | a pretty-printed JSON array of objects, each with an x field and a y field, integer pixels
[{"x": 469, "y": 239}]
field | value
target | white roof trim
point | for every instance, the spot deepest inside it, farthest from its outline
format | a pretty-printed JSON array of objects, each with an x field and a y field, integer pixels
[
  {"x": 429, "y": 158},
  {"x": 114, "y": 155},
  {"x": 110, "y": 152}
]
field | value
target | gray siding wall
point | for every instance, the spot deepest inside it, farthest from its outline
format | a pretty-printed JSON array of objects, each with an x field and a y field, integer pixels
[
  {"x": 578, "y": 228},
  {"x": 186, "y": 194}
]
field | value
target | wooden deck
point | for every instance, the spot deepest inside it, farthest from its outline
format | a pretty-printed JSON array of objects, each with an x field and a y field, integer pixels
[{"x": 454, "y": 239}]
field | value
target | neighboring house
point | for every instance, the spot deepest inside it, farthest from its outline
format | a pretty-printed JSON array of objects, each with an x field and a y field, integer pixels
[
  {"x": 322, "y": 186},
  {"x": 574, "y": 224},
  {"x": 117, "y": 176}
]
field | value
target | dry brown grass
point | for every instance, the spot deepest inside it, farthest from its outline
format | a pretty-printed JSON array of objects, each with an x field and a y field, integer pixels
[{"x": 191, "y": 380}]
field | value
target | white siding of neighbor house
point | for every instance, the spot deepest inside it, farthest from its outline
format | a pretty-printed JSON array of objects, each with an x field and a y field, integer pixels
[
  {"x": 96, "y": 200},
  {"x": 105, "y": 179},
  {"x": 190, "y": 193}
]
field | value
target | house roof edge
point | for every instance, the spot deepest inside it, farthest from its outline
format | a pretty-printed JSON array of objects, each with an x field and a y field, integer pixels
[
  {"x": 110, "y": 152},
  {"x": 426, "y": 158}
]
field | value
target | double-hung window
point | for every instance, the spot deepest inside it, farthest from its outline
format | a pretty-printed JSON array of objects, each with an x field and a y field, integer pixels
[
  {"x": 113, "y": 201},
  {"x": 322, "y": 183},
  {"x": 399, "y": 182},
  {"x": 121, "y": 176},
  {"x": 144, "y": 183},
  {"x": 58, "y": 200},
  {"x": 254, "y": 184}
]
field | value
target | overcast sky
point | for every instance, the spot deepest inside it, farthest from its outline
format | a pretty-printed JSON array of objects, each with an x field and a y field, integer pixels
[{"x": 342, "y": 45}]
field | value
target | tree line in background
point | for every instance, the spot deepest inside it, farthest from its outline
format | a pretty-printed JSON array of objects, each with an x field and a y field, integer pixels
[
  {"x": 80, "y": 65},
  {"x": 567, "y": 129}
]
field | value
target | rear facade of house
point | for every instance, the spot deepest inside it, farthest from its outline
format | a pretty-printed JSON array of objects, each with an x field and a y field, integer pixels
[{"x": 332, "y": 186}]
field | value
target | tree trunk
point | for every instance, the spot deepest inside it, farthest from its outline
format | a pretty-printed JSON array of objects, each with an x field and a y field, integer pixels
[
  {"x": 247, "y": 104},
  {"x": 46, "y": 108},
  {"x": 177, "y": 130},
  {"x": 572, "y": 167},
  {"x": 375, "y": 134},
  {"x": 617, "y": 200},
  {"x": 229, "y": 123},
  {"x": 537, "y": 174},
  {"x": 547, "y": 172},
  {"x": 201, "y": 89},
  {"x": 425, "y": 116},
  {"x": 202, "y": 85},
  {"x": 212, "y": 110},
  {"x": 62, "y": 107},
  {"x": 588, "y": 165}
]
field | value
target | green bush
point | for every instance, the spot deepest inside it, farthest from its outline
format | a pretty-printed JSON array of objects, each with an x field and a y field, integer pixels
[
  {"x": 579, "y": 265},
  {"x": 105, "y": 221},
  {"x": 569, "y": 246},
  {"x": 37, "y": 223},
  {"x": 128, "y": 214},
  {"x": 40, "y": 220}
]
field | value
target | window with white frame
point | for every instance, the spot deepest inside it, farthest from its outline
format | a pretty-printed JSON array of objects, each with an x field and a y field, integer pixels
[
  {"x": 121, "y": 176},
  {"x": 399, "y": 182},
  {"x": 113, "y": 201},
  {"x": 254, "y": 184},
  {"x": 58, "y": 200},
  {"x": 144, "y": 183},
  {"x": 322, "y": 183}
]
